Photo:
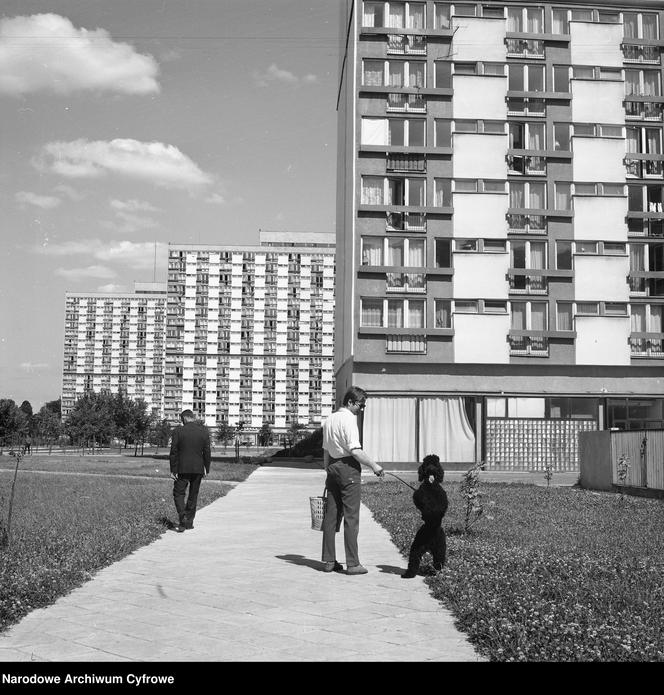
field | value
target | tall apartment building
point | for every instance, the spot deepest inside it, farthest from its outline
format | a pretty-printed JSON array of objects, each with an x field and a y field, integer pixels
[
  {"x": 500, "y": 221},
  {"x": 115, "y": 342},
  {"x": 249, "y": 331}
]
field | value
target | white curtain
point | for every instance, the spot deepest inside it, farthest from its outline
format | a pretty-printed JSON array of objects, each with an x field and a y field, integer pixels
[
  {"x": 374, "y": 131},
  {"x": 415, "y": 314},
  {"x": 638, "y": 320},
  {"x": 372, "y": 190},
  {"x": 416, "y": 16},
  {"x": 389, "y": 429},
  {"x": 397, "y": 15},
  {"x": 525, "y": 407},
  {"x": 637, "y": 257},
  {"x": 372, "y": 251},
  {"x": 655, "y": 318},
  {"x": 536, "y": 136},
  {"x": 416, "y": 253},
  {"x": 445, "y": 430}
]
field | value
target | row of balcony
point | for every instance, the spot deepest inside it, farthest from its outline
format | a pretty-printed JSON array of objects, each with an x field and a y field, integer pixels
[{"x": 522, "y": 345}]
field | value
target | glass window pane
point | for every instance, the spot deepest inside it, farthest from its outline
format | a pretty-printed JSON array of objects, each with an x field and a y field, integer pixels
[
  {"x": 372, "y": 312},
  {"x": 561, "y": 136},
  {"x": 373, "y": 14},
  {"x": 537, "y": 195},
  {"x": 443, "y": 254},
  {"x": 518, "y": 316},
  {"x": 564, "y": 255},
  {"x": 372, "y": 251},
  {"x": 564, "y": 316},
  {"x": 559, "y": 23},
  {"x": 396, "y": 132},
  {"x": 539, "y": 316},
  {"x": 465, "y": 306},
  {"x": 373, "y": 73},
  {"x": 560, "y": 78},
  {"x": 416, "y": 253},
  {"x": 443, "y": 133},
  {"x": 415, "y": 192},
  {"x": 515, "y": 19},
  {"x": 416, "y": 133},
  {"x": 442, "y": 20},
  {"x": 535, "y": 78},
  {"x": 415, "y": 314},
  {"x": 534, "y": 20},
  {"x": 461, "y": 186},
  {"x": 649, "y": 24},
  {"x": 415, "y": 15},
  {"x": 395, "y": 252},
  {"x": 443, "y": 314},
  {"x": 630, "y": 25},
  {"x": 443, "y": 74},
  {"x": 416, "y": 74},
  {"x": 372, "y": 190},
  {"x": 515, "y": 77}
]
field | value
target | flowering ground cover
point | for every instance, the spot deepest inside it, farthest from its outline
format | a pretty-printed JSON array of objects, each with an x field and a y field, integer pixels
[
  {"x": 547, "y": 574},
  {"x": 65, "y": 527}
]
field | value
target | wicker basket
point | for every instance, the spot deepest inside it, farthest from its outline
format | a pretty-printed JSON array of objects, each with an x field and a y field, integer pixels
[{"x": 318, "y": 505}]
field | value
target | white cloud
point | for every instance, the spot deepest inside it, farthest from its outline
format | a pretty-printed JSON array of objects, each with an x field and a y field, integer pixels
[
  {"x": 46, "y": 52},
  {"x": 46, "y": 202},
  {"x": 277, "y": 74},
  {"x": 216, "y": 199},
  {"x": 133, "y": 205},
  {"x": 92, "y": 271},
  {"x": 69, "y": 191},
  {"x": 128, "y": 223},
  {"x": 34, "y": 366},
  {"x": 111, "y": 288},
  {"x": 135, "y": 255},
  {"x": 153, "y": 162}
]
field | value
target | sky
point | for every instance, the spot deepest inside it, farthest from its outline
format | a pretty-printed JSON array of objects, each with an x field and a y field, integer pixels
[{"x": 130, "y": 123}]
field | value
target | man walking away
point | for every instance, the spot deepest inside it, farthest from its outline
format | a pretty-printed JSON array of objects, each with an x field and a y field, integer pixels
[{"x": 190, "y": 461}]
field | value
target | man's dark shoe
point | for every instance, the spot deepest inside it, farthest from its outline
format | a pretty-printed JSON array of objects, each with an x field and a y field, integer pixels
[
  {"x": 357, "y": 569},
  {"x": 332, "y": 567},
  {"x": 180, "y": 528}
]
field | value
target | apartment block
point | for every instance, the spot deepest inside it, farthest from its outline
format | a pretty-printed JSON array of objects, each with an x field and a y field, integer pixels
[
  {"x": 249, "y": 332},
  {"x": 500, "y": 221},
  {"x": 115, "y": 342}
]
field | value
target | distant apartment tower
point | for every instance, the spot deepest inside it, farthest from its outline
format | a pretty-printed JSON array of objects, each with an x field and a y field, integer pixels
[
  {"x": 115, "y": 342},
  {"x": 500, "y": 225},
  {"x": 249, "y": 331}
]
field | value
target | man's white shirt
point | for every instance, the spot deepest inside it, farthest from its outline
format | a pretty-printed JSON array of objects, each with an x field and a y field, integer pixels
[{"x": 340, "y": 434}]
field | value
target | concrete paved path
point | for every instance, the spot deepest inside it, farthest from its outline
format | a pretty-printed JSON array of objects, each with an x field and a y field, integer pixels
[{"x": 246, "y": 585}]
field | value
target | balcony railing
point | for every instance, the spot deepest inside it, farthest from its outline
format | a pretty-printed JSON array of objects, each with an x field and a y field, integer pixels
[
  {"x": 525, "y": 48},
  {"x": 643, "y": 168},
  {"x": 639, "y": 283},
  {"x": 647, "y": 110},
  {"x": 530, "y": 224},
  {"x": 406, "y": 102},
  {"x": 647, "y": 347},
  {"x": 640, "y": 54},
  {"x": 406, "y": 162},
  {"x": 406, "y": 282},
  {"x": 414, "y": 344},
  {"x": 528, "y": 284},
  {"x": 526, "y": 107},
  {"x": 406, "y": 221},
  {"x": 523, "y": 345},
  {"x": 410, "y": 44},
  {"x": 532, "y": 165},
  {"x": 647, "y": 228}
]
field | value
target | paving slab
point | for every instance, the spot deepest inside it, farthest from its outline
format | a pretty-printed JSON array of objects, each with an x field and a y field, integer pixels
[{"x": 246, "y": 584}]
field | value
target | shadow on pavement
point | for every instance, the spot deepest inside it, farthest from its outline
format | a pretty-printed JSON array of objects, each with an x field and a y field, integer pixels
[
  {"x": 391, "y": 569},
  {"x": 301, "y": 560}
]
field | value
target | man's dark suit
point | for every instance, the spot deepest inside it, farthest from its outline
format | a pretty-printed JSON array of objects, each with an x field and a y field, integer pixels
[{"x": 190, "y": 458}]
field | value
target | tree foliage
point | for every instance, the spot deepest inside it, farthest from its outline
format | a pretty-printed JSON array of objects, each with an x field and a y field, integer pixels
[
  {"x": 224, "y": 433},
  {"x": 13, "y": 422}
]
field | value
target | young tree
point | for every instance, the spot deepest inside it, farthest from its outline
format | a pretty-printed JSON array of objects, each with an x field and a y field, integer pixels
[
  {"x": 160, "y": 433},
  {"x": 13, "y": 422},
  {"x": 47, "y": 426},
  {"x": 142, "y": 421},
  {"x": 91, "y": 420},
  {"x": 224, "y": 433},
  {"x": 265, "y": 436},
  {"x": 295, "y": 431}
]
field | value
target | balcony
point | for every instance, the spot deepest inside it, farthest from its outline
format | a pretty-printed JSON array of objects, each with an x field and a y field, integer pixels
[
  {"x": 406, "y": 44},
  {"x": 646, "y": 283},
  {"x": 640, "y": 54},
  {"x": 644, "y": 110},
  {"x": 525, "y": 106},
  {"x": 528, "y": 345},
  {"x": 412, "y": 103},
  {"x": 406, "y": 221},
  {"x": 414, "y": 283},
  {"x": 412, "y": 344},
  {"x": 645, "y": 228},
  {"x": 647, "y": 347},
  {"x": 523, "y": 283},
  {"x": 643, "y": 168},
  {"x": 530, "y": 165},
  {"x": 406, "y": 162},
  {"x": 526, "y": 224},
  {"x": 525, "y": 48}
]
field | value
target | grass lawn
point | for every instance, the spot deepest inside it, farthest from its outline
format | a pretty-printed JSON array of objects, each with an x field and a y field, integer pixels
[
  {"x": 557, "y": 574},
  {"x": 65, "y": 527},
  {"x": 126, "y": 464}
]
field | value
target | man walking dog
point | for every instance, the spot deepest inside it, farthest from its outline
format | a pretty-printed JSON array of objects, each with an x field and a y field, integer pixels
[{"x": 190, "y": 461}]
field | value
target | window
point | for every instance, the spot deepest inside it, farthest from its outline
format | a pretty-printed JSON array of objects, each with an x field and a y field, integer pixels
[
  {"x": 526, "y": 136},
  {"x": 559, "y": 21},
  {"x": 525, "y": 19},
  {"x": 561, "y": 78},
  {"x": 442, "y": 313},
  {"x": 561, "y": 137},
  {"x": 638, "y": 25},
  {"x": 598, "y": 130},
  {"x": 564, "y": 316},
  {"x": 372, "y": 250},
  {"x": 528, "y": 255},
  {"x": 466, "y": 306},
  {"x": 406, "y": 132},
  {"x": 615, "y": 309},
  {"x": 599, "y": 189},
  {"x": 526, "y": 107},
  {"x": 483, "y": 126},
  {"x": 393, "y": 73},
  {"x": 377, "y": 190},
  {"x": 564, "y": 255},
  {"x": 442, "y": 193},
  {"x": 395, "y": 15},
  {"x": 642, "y": 82},
  {"x": 587, "y": 308},
  {"x": 483, "y": 68},
  {"x": 443, "y": 74},
  {"x": 392, "y": 313},
  {"x": 442, "y": 132},
  {"x": 586, "y": 247},
  {"x": 529, "y": 316},
  {"x": 525, "y": 78},
  {"x": 478, "y": 186},
  {"x": 443, "y": 253},
  {"x": 396, "y": 252},
  {"x": 465, "y": 9},
  {"x": 480, "y": 245},
  {"x": 441, "y": 15},
  {"x": 527, "y": 195}
]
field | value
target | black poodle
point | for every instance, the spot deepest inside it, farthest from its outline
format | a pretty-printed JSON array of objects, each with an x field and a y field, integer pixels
[{"x": 431, "y": 500}]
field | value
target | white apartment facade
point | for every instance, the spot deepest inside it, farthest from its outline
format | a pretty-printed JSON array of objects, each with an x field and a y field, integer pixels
[
  {"x": 115, "y": 342},
  {"x": 249, "y": 332},
  {"x": 500, "y": 219}
]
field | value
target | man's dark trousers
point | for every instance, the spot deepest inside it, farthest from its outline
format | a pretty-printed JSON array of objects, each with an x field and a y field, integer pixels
[
  {"x": 186, "y": 512},
  {"x": 343, "y": 484}
]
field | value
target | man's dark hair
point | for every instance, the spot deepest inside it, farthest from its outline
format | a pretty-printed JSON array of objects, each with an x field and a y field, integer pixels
[
  {"x": 355, "y": 394},
  {"x": 188, "y": 415}
]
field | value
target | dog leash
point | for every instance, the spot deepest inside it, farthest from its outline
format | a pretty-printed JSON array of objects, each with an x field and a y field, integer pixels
[{"x": 398, "y": 478}]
